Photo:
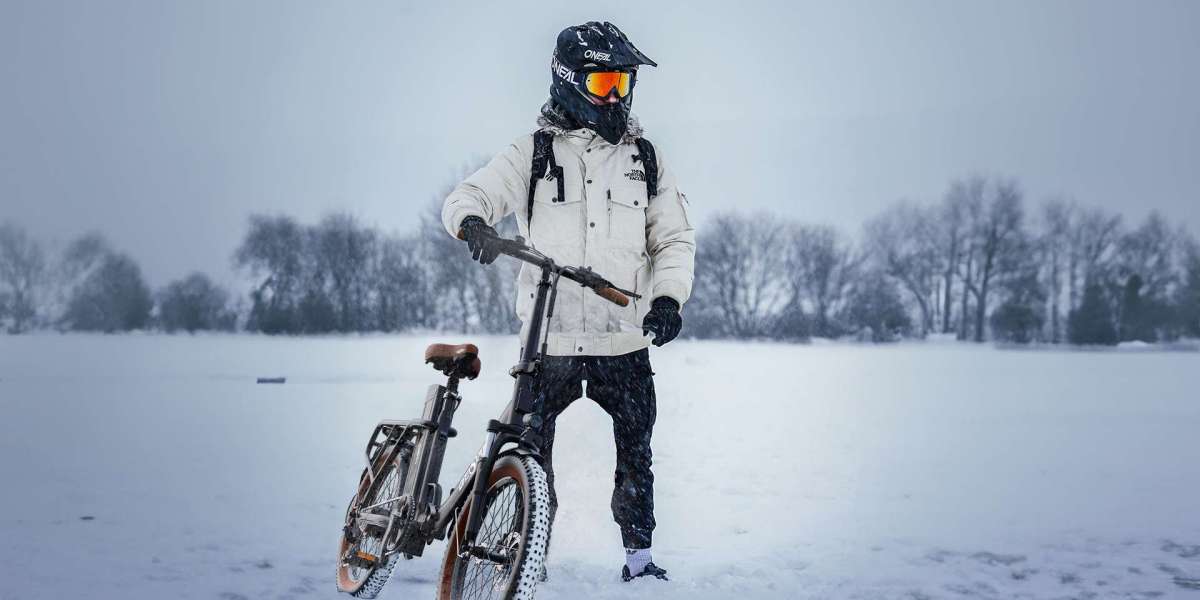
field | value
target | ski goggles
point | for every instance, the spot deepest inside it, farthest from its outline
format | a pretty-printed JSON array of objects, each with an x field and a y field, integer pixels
[{"x": 600, "y": 83}]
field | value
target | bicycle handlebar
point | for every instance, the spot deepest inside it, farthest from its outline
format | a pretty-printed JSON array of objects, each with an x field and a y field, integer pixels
[{"x": 583, "y": 276}]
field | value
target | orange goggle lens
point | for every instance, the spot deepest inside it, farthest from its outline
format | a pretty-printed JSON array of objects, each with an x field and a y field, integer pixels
[{"x": 601, "y": 83}]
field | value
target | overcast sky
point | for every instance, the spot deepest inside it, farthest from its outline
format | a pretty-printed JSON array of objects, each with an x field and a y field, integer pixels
[{"x": 165, "y": 124}]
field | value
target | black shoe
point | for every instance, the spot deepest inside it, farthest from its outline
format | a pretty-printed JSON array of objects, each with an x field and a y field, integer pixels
[{"x": 650, "y": 569}]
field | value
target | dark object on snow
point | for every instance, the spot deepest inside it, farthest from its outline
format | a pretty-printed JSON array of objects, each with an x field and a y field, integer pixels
[
  {"x": 272, "y": 380},
  {"x": 87, "y": 518}
]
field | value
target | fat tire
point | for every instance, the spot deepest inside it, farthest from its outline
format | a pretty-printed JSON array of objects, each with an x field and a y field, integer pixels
[
  {"x": 535, "y": 491},
  {"x": 377, "y": 579}
]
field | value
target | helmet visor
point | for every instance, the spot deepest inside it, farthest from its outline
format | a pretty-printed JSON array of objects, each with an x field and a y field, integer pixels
[{"x": 600, "y": 83}]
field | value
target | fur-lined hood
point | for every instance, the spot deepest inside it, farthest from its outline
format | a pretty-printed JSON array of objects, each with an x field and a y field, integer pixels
[{"x": 552, "y": 119}]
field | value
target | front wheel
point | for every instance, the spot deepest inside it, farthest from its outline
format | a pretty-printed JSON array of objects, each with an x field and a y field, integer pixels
[{"x": 514, "y": 533}]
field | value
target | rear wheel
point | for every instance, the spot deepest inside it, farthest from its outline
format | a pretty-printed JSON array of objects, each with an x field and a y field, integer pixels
[
  {"x": 364, "y": 564},
  {"x": 514, "y": 533}
]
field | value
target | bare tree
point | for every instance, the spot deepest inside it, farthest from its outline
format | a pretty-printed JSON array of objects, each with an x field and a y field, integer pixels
[
  {"x": 1094, "y": 245},
  {"x": 1057, "y": 221},
  {"x": 740, "y": 284},
  {"x": 343, "y": 252},
  {"x": 112, "y": 297},
  {"x": 1151, "y": 252},
  {"x": 22, "y": 273},
  {"x": 822, "y": 265},
  {"x": 952, "y": 241},
  {"x": 874, "y": 310},
  {"x": 995, "y": 234},
  {"x": 904, "y": 242},
  {"x": 273, "y": 252},
  {"x": 403, "y": 295},
  {"x": 193, "y": 304}
]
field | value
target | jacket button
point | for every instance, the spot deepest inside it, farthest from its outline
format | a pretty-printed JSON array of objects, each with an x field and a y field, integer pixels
[
  {"x": 554, "y": 199},
  {"x": 588, "y": 150},
  {"x": 635, "y": 202},
  {"x": 589, "y": 181},
  {"x": 580, "y": 349},
  {"x": 592, "y": 224}
]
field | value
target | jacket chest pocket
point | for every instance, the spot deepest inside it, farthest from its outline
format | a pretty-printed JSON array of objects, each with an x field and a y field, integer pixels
[
  {"x": 555, "y": 219},
  {"x": 627, "y": 216}
]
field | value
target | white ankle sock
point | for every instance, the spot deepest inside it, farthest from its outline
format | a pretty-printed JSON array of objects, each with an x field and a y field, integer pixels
[{"x": 636, "y": 559}]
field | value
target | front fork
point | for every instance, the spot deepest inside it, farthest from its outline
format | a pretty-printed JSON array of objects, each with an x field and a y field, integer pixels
[
  {"x": 499, "y": 434},
  {"x": 483, "y": 472}
]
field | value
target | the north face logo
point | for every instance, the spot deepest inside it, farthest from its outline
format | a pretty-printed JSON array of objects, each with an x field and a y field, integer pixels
[{"x": 636, "y": 175}]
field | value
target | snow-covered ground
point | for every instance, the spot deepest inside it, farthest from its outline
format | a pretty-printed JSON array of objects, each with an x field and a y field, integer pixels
[{"x": 154, "y": 467}]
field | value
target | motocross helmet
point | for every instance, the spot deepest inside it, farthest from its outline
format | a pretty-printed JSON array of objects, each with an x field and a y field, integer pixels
[{"x": 592, "y": 74}]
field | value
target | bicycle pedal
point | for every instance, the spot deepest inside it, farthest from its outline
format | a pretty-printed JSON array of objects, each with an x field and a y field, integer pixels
[{"x": 365, "y": 559}]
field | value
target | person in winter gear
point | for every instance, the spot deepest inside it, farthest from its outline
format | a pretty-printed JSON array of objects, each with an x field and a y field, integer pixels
[{"x": 588, "y": 189}]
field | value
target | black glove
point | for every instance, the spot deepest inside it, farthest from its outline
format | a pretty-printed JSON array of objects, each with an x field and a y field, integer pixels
[
  {"x": 663, "y": 319},
  {"x": 481, "y": 240}
]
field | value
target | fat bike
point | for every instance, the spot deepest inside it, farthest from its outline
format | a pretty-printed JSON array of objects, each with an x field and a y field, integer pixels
[{"x": 497, "y": 518}]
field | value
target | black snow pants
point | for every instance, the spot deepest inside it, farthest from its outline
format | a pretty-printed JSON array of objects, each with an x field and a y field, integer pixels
[{"x": 624, "y": 387}]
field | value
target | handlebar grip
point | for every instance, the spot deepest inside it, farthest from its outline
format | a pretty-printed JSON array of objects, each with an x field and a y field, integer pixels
[{"x": 613, "y": 296}]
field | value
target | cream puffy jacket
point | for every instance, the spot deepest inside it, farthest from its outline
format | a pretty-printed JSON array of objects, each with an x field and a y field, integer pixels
[{"x": 605, "y": 222}]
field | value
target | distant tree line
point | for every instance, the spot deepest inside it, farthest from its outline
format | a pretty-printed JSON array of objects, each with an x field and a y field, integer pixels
[
  {"x": 90, "y": 286},
  {"x": 342, "y": 276},
  {"x": 977, "y": 264}
]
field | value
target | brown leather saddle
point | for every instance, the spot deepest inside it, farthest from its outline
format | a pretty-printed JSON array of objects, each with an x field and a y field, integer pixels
[{"x": 454, "y": 360}]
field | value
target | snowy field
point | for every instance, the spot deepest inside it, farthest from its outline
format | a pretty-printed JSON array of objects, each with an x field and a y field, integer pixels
[{"x": 153, "y": 467}]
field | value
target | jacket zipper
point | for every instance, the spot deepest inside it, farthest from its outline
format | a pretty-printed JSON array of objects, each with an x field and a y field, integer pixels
[
  {"x": 608, "y": 206},
  {"x": 584, "y": 224}
]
